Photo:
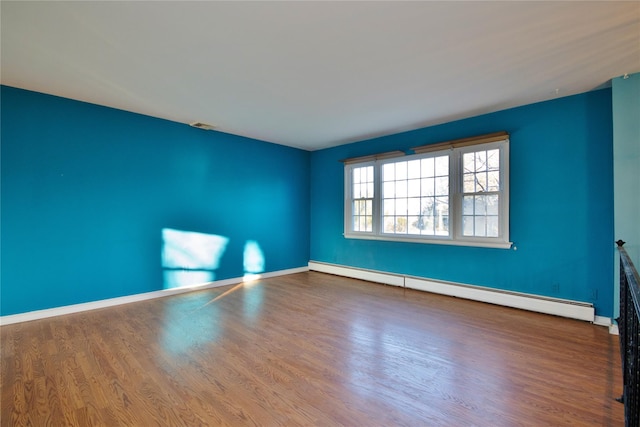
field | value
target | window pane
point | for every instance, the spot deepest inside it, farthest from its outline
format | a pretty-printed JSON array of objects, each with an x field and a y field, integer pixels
[
  {"x": 442, "y": 205},
  {"x": 428, "y": 187},
  {"x": 401, "y": 170},
  {"x": 389, "y": 224},
  {"x": 493, "y": 204},
  {"x": 480, "y": 205},
  {"x": 389, "y": 171},
  {"x": 414, "y": 206},
  {"x": 467, "y": 225},
  {"x": 356, "y": 175},
  {"x": 481, "y": 161},
  {"x": 389, "y": 189},
  {"x": 401, "y": 206},
  {"x": 401, "y": 188},
  {"x": 357, "y": 193},
  {"x": 369, "y": 174},
  {"x": 480, "y": 226},
  {"x": 363, "y": 223},
  {"x": 401, "y": 224},
  {"x": 428, "y": 204},
  {"x": 467, "y": 205},
  {"x": 413, "y": 169},
  {"x": 481, "y": 182},
  {"x": 493, "y": 181},
  {"x": 442, "y": 186},
  {"x": 493, "y": 159},
  {"x": 428, "y": 167},
  {"x": 468, "y": 162},
  {"x": 413, "y": 225},
  {"x": 442, "y": 166},
  {"x": 469, "y": 185},
  {"x": 369, "y": 194},
  {"x": 427, "y": 225},
  {"x": 414, "y": 188},
  {"x": 389, "y": 206},
  {"x": 492, "y": 226}
]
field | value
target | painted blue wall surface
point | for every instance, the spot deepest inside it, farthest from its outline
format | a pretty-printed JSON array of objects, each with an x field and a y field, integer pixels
[
  {"x": 561, "y": 205},
  {"x": 626, "y": 171},
  {"x": 87, "y": 191},
  {"x": 626, "y": 143}
]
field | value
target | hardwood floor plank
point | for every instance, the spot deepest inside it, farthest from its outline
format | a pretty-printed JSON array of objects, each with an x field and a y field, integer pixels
[{"x": 309, "y": 349}]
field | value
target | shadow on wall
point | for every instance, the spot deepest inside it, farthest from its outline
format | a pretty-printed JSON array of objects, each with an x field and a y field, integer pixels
[{"x": 190, "y": 258}]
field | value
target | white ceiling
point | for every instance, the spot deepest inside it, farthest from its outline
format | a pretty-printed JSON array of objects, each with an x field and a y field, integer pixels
[{"x": 317, "y": 74}]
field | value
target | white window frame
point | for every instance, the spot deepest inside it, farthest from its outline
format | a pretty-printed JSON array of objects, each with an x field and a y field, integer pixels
[{"x": 456, "y": 194}]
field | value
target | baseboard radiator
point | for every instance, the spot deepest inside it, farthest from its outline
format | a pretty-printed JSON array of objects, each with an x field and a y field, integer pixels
[{"x": 555, "y": 306}]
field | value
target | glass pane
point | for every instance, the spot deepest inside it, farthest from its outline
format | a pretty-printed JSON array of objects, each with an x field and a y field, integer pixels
[
  {"x": 363, "y": 223},
  {"x": 480, "y": 205},
  {"x": 442, "y": 186},
  {"x": 414, "y": 188},
  {"x": 441, "y": 227},
  {"x": 401, "y": 170},
  {"x": 493, "y": 204},
  {"x": 389, "y": 172},
  {"x": 389, "y": 224},
  {"x": 389, "y": 207},
  {"x": 469, "y": 185},
  {"x": 428, "y": 167},
  {"x": 467, "y": 205},
  {"x": 481, "y": 182},
  {"x": 356, "y": 175},
  {"x": 369, "y": 173},
  {"x": 480, "y": 225},
  {"x": 401, "y": 206},
  {"x": 369, "y": 194},
  {"x": 389, "y": 189},
  {"x": 468, "y": 162},
  {"x": 357, "y": 193},
  {"x": 481, "y": 161},
  {"x": 428, "y": 205},
  {"x": 413, "y": 169},
  {"x": 356, "y": 223},
  {"x": 401, "y": 224},
  {"x": 427, "y": 223},
  {"x": 442, "y": 166},
  {"x": 442, "y": 205},
  {"x": 428, "y": 187},
  {"x": 493, "y": 159},
  {"x": 467, "y": 225},
  {"x": 493, "y": 181},
  {"x": 492, "y": 226},
  {"x": 414, "y": 206},
  {"x": 401, "y": 188},
  {"x": 413, "y": 225}
]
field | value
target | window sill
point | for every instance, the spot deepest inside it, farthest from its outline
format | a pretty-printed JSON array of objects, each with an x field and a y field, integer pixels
[{"x": 435, "y": 241}]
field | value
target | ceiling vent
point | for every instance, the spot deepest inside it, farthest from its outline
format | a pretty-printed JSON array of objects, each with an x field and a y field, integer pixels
[{"x": 201, "y": 125}]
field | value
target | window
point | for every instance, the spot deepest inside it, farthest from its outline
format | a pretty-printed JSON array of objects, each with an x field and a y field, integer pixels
[{"x": 449, "y": 193}]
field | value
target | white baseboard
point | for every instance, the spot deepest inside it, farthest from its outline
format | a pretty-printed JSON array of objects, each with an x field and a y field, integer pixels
[
  {"x": 602, "y": 321},
  {"x": 357, "y": 273},
  {"x": 558, "y": 307},
  {"x": 93, "y": 305}
]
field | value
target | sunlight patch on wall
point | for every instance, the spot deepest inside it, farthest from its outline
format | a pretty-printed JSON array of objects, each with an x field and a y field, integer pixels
[
  {"x": 253, "y": 260},
  {"x": 190, "y": 258}
]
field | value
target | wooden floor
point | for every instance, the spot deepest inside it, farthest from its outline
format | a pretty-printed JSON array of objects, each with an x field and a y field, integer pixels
[{"x": 309, "y": 349}]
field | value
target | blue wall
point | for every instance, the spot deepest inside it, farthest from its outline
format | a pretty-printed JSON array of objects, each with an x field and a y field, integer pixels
[
  {"x": 561, "y": 205},
  {"x": 87, "y": 191}
]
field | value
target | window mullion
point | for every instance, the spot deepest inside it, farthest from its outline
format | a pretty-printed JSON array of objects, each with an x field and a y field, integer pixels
[
  {"x": 377, "y": 198},
  {"x": 455, "y": 190}
]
